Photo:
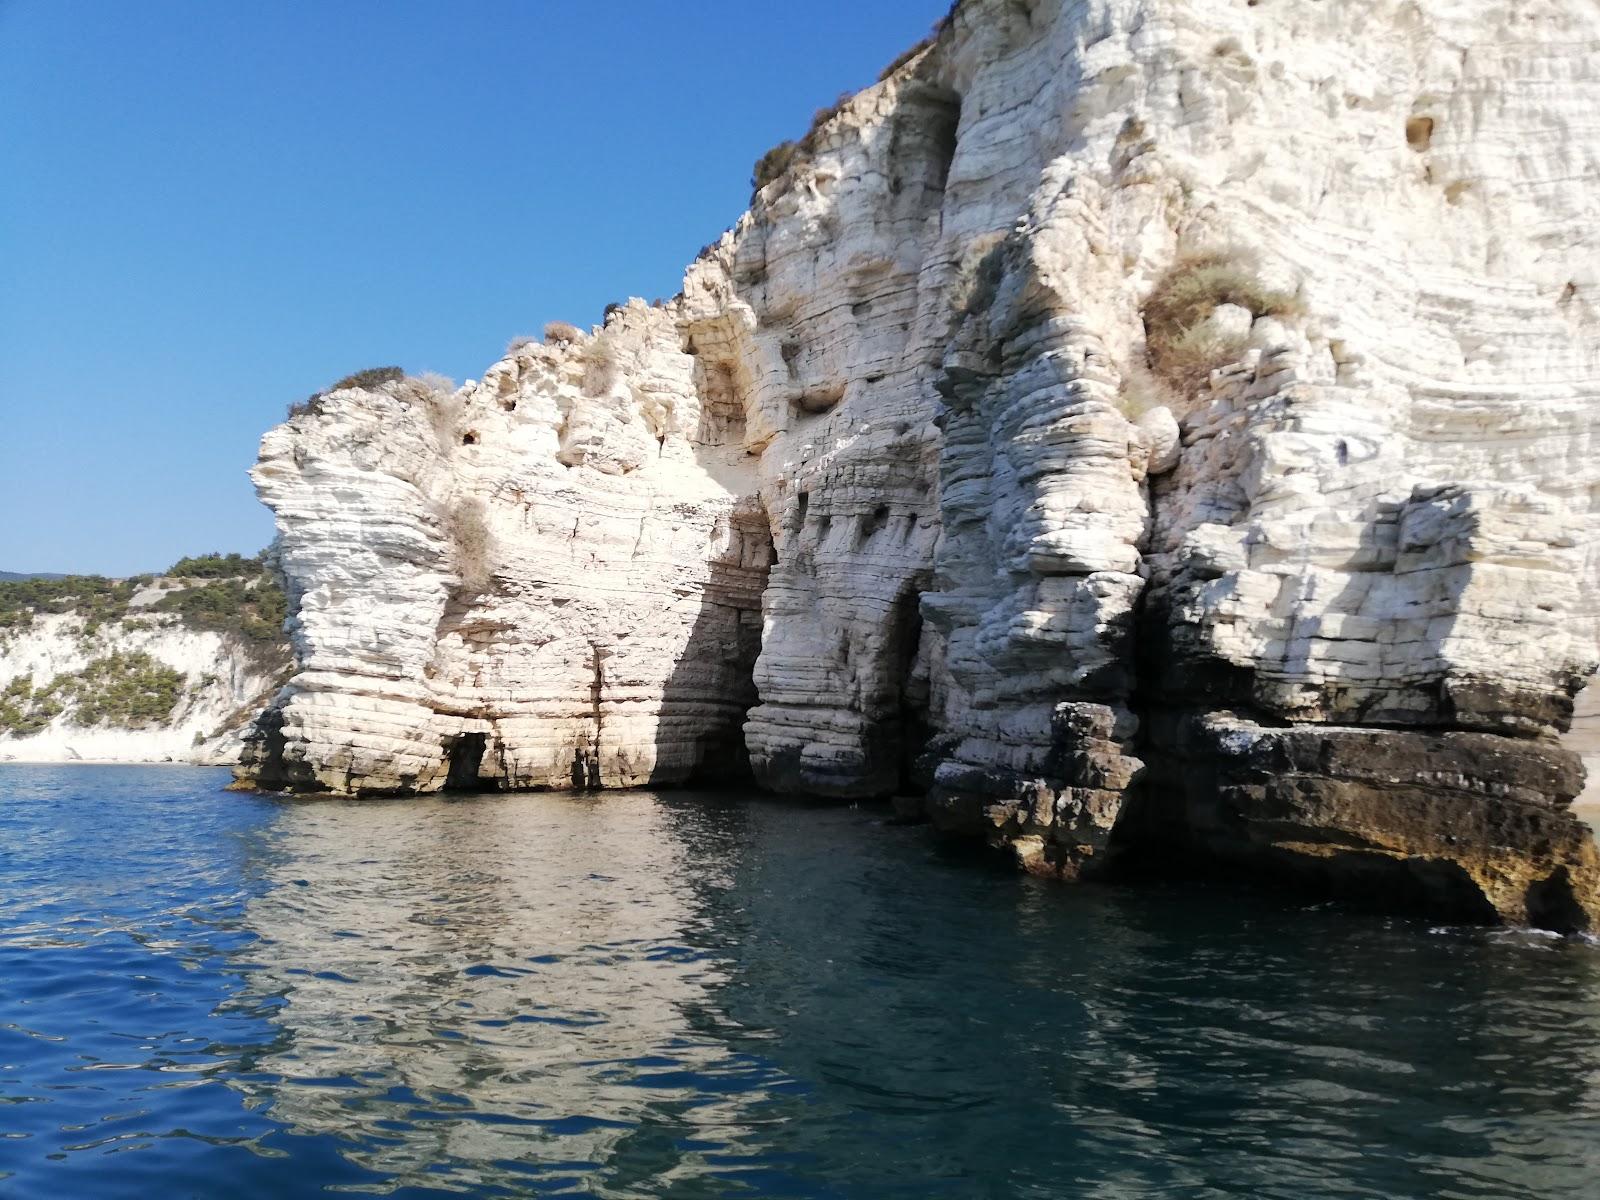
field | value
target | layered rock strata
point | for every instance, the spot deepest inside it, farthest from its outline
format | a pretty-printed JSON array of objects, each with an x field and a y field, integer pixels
[
  {"x": 1128, "y": 423},
  {"x": 549, "y": 579}
]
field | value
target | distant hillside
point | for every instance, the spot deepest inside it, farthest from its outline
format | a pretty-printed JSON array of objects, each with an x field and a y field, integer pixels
[
  {"x": 17, "y": 576},
  {"x": 224, "y": 593},
  {"x": 152, "y": 668}
]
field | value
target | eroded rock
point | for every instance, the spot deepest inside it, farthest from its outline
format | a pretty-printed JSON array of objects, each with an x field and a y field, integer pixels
[{"x": 1117, "y": 422}]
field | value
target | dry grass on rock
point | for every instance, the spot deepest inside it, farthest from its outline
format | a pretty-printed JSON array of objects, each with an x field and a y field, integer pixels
[
  {"x": 470, "y": 543},
  {"x": 1183, "y": 347},
  {"x": 599, "y": 367},
  {"x": 1143, "y": 391}
]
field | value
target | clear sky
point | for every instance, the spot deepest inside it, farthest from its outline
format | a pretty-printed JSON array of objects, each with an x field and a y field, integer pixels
[{"x": 210, "y": 208}]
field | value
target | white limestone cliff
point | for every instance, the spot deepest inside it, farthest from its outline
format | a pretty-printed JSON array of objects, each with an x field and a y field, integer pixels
[
  {"x": 225, "y": 682},
  {"x": 922, "y": 483}
]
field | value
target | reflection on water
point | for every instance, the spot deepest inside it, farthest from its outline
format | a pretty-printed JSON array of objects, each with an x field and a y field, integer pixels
[
  {"x": 519, "y": 975},
  {"x": 632, "y": 995}
]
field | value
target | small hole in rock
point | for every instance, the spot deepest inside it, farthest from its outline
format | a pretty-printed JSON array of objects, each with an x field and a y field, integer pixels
[{"x": 878, "y": 518}]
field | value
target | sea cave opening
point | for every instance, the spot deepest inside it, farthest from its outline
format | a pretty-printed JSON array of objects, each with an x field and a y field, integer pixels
[{"x": 466, "y": 757}]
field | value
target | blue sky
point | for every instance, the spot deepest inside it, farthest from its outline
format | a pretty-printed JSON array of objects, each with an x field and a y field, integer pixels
[{"x": 210, "y": 209}]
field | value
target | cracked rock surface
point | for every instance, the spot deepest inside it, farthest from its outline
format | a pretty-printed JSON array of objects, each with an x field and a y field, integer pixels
[{"x": 1130, "y": 424}]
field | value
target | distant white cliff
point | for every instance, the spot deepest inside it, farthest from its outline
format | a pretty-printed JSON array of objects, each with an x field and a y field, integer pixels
[{"x": 167, "y": 669}]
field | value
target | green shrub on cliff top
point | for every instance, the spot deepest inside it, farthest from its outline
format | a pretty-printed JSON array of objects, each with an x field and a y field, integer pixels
[
  {"x": 777, "y": 161},
  {"x": 231, "y": 606},
  {"x": 215, "y": 566},
  {"x": 93, "y": 597},
  {"x": 370, "y": 379},
  {"x": 773, "y": 163},
  {"x": 239, "y": 597}
]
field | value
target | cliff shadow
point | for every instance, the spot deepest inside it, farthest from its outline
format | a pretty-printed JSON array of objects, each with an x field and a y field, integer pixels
[
  {"x": 699, "y": 737},
  {"x": 1357, "y": 763}
]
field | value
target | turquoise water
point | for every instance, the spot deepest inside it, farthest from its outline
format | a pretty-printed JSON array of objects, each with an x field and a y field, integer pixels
[{"x": 205, "y": 994}]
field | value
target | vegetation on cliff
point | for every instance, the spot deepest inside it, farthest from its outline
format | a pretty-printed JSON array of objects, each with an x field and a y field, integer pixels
[
  {"x": 24, "y": 710},
  {"x": 126, "y": 689},
  {"x": 215, "y": 566},
  {"x": 372, "y": 377},
  {"x": 253, "y": 609},
  {"x": 129, "y": 690},
  {"x": 94, "y": 597},
  {"x": 1183, "y": 345},
  {"x": 122, "y": 687},
  {"x": 777, "y": 161},
  {"x": 236, "y": 595}
]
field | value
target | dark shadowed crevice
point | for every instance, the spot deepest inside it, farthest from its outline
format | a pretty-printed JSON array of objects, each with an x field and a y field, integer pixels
[
  {"x": 263, "y": 750},
  {"x": 915, "y": 727},
  {"x": 1419, "y": 133},
  {"x": 700, "y": 729},
  {"x": 586, "y": 755},
  {"x": 586, "y": 762},
  {"x": 466, "y": 757},
  {"x": 924, "y": 130},
  {"x": 1553, "y": 905},
  {"x": 947, "y": 121}
]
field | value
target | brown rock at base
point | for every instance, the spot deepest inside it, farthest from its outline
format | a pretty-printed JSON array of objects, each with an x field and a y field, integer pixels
[{"x": 1466, "y": 826}]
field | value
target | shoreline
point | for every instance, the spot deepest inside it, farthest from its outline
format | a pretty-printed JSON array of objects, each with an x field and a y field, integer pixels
[
  {"x": 110, "y": 762},
  {"x": 1586, "y": 810}
]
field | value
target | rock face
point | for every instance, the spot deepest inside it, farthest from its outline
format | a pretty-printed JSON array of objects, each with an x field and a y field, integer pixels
[
  {"x": 550, "y": 579},
  {"x": 1130, "y": 424}
]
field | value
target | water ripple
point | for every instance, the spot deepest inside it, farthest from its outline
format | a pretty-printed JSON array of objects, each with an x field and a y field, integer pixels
[{"x": 639, "y": 996}]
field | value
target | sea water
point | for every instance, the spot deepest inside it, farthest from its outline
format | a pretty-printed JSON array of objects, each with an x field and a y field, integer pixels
[{"x": 686, "y": 995}]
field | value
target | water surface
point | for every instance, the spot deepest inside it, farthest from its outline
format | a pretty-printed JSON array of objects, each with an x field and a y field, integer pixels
[{"x": 631, "y": 995}]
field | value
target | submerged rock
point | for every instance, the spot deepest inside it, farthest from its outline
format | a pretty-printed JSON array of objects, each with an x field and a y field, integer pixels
[{"x": 1131, "y": 423}]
